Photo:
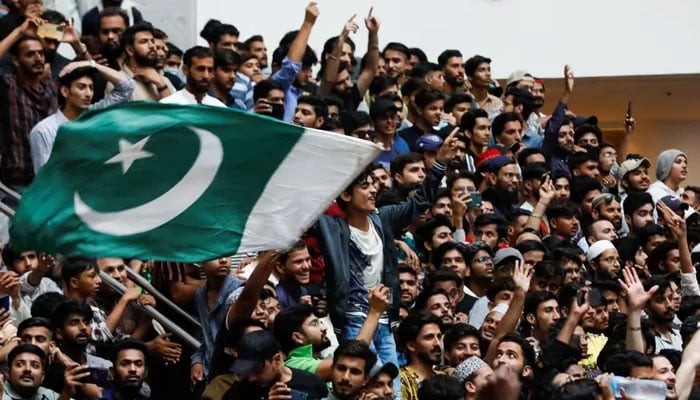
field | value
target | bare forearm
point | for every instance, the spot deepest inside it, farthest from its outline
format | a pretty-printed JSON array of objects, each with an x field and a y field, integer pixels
[
  {"x": 111, "y": 75},
  {"x": 533, "y": 222},
  {"x": 634, "y": 339},
  {"x": 684, "y": 253},
  {"x": 251, "y": 292},
  {"x": 369, "y": 327},
  {"x": 372, "y": 64},
  {"x": 116, "y": 315},
  {"x": 567, "y": 331},
  {"x": 7, "y": 43},
  {"x": 298, "y": 47}
]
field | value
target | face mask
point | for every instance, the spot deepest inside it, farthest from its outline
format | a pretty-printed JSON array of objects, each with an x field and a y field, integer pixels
[{"x": 177, "y": 72}]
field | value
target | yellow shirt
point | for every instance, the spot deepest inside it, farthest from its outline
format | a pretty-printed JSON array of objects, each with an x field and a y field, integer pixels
[
  {"x": 410, "y": 382},
  {"x": 596, "y": 342}
]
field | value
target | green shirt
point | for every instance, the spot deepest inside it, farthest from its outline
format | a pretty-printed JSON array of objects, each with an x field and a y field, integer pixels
[{"x": 303, "y": 358}]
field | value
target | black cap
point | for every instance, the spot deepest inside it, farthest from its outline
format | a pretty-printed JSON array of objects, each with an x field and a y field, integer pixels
[
  {"x": 253, "y": 349},
  {"x": 381, "y": 107},
  {"x": 388, "y": 368}
]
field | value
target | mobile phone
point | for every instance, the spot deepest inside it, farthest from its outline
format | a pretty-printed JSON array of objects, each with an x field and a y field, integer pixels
[
  {"x": 477, "y": 201},
  {"x": 580, "y": 297},
  {"x": 50, "y": 31},
  {"x": 98, "y": 376},
  {"x": 5, "y": 302}
]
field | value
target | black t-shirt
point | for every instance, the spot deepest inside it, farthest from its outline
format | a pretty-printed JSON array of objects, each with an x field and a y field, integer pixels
[
  {"x": 411, "y": 135},
  {"x": 304, "y": 386},
  {"x": 466, "y": 304}
]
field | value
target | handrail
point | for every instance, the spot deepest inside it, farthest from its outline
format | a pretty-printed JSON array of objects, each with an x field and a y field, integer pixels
[
  {"x": 153, "y": 313},
  {"x": 144, "y": 284},
  {"x": 7, "y": 210},
  {"x": 14, "y": 195}
]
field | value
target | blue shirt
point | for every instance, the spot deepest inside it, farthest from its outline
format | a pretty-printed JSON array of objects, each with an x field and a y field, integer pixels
[
  {"x": 286, "y": 76},
  {"x": 211, "y": 321},
  {"x": 398, "y": 146}
]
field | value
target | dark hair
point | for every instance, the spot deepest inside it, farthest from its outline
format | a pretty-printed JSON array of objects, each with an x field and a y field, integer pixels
[
  {"x": 527, "y": 350},
  {"x": 381, "y": 83},
  {"x": 463, "y": 174},
  {"x": 689, "y": 306},
  {"x": 214, "y": 29},
  {"x": 410, "y": 328},
  {"x": 659, "y": 254},
  {"x": 407, "y": 269},
  {"x": 469, "y": 119},
  {"x": 672, "y": 355},
  {"x": 356, "y": 349},
  {"x": 26, "y": 348},
  {"x": 498, "y": 286},
  {"x": 14, "y": 49},
  {"x": 358, "y": 181},
  {"x": 530, "y": 245},
  {"x": 44, "y": 305},
  {"x": 426, "y": 96},
  {"x": 588, "y": 128},
  {"x": 535, "y": 171},
  {"x": 226, "y": 58},
  {"x": 457, "y": 99},
  {"x": 439, "y": 252},
  {"x": 299, "y": 245},
  {"x": 426, "y": 294},
  {"x": 422, "y": 69},
  {"x": 129, "y": 344},
  {"x": 400, "y": 47},
  {"x": 420, "y": 54},
  {"x": 581, "y": 186},
  {"x": 246, "y": 45},
  {"x": 564, "y": 255},
  {"x": 444, "y": 275},
  {"x": 562, "y": 208},
  {"x": 196, "y": 52},
  {"x": 54, "y": 17},
  {"x": 320, "y": 107},
  {"x": 334, "y": 101},
  {"x": 130, "y": 33},
  {"x": 472, "y": 64},
  {"x": 657, "y": 280},
  {"x": 581, "y": 389},
  {"x": 445, "y": 56},
  {"x": 74, "y": 266},
  {"x": 34, "y": 322},
  {"x": 527, "y": 152},
  {"x": 352, "y": 120},
  {"x": 160, "y": 34},
  {"x": 113, "y": 12},
  {"x": 173, "y": 50},
  {"x": 579, "y": 158},
  {"x": 457, "y": 332},
  {"x": 621, "y": 364},
  {"x": 413, "y": 85},
  {"x": 66, "y": 309},
  {"x": 441, "y": 387},
  {"x": 264, "y": 87},
  {"x": 288, "y": 321},
  {"x": 426, "y": 230},
  {"x": 635, "y": 201},
  {"x": 648, "y": 231},
  {"x": 546, "y": 269},
  {"x": 500, "y": 121},
  {"x": 492, "y": 219},
  {"x": 399, "y": 163},
  {"x": 68, "y": 79},
  {"x": 534, "y": 299}
]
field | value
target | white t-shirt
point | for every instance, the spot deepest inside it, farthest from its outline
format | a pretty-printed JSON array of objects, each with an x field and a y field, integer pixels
[{"x": 370, "y": 244}]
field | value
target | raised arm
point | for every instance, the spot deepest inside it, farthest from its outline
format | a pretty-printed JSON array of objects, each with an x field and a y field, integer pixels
[
  {"x": 551, "y": 132},
  {"x": 576, "y": 312},
  {"x": 637, "y": 298},
  {"x": 546, "y": 196},
  {"x": 251, "y": 291},
  {"x": 298, "y": 47},
  {"x": 372, "y": 63},
  {"x": 685, "y": 376},
  {"x": 330, "y": 70},
  {"x": 27, "y": 28}
]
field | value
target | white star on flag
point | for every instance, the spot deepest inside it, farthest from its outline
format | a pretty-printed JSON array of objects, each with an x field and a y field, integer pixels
[{"x": 130, "y": 152}]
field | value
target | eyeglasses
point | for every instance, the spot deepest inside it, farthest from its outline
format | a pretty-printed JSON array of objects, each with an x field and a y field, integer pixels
[
  {"x": 484, "y": 260},
  {"x": 465, "y": 189}
]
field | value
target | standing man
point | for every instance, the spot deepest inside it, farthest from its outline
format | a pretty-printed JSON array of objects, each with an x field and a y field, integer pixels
[
  {"x": 199, "y": 71},
  {"x": 420, "y": 338},
  {"x": 478, "y": 70},
  {"x": 452, "y": 66}
]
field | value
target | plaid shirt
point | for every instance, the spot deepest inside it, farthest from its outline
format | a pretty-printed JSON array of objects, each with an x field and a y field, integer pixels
[{"x": 22, "y": 108}]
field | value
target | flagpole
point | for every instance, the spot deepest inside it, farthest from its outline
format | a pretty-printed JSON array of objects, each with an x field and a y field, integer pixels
[
  {"x": 153, "y": 313},
  {"x": 144, "y": 284}
]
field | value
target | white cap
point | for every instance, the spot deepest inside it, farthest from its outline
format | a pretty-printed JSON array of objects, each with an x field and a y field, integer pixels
[{"x": 598, "y": 248}]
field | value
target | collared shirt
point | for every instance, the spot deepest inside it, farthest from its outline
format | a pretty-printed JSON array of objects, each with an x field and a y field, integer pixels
[
  {"x": 410, "y": 382},
  {"x": 492, "y": 105},
  {"x": 184, "y": 97},
  {"x": 285, "y": 77},
  {"x": 303, "y": 358},
  {"x": 41, "y": 393},
  {"x": 242, "y": 92},
  {"x": 674, "y": 343},
  {"x": 22, "y": 107},
  {"x": 212, "y": 318},
  {"x": 43, "y": 135},
  {"x": 142, "y": 91}
]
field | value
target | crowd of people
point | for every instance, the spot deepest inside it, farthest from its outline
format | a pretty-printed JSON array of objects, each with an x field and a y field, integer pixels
[{"x": 491, "y": 251}]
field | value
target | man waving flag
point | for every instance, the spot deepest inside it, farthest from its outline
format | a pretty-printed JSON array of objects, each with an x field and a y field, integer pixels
[{"x": 182, "y": 183}]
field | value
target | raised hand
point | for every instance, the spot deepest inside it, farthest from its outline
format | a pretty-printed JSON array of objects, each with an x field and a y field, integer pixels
[
  {"x": 568, "y": 79},
  {"x": 379, "y": 299},
  {"x": 522, "y": 275},
  {"x": 673, "y": 221},
  {"x": 637, "y": 297},
  {"x": 547, "y": 190},
  {"x": 350, "y": 26},
  {"x": 311, "y": 13},
  {"x": 371, "y": 22},
  {"x": 448, "y": 149},
  {"x": 579, "y": 310},
  {"x": 70, "y": 34}
]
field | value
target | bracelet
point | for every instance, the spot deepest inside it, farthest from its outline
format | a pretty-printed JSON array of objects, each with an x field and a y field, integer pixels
[
  {"x": 536, "y": 216},
  {"x": 161, "y": 88},
  {"x": 634, "y": 328}
]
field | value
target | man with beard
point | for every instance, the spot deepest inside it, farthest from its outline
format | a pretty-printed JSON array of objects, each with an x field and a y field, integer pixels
[
  {"x": 453, "y": 68},
  {"x": 264, "y": 375},
  {"x": 140, "y": 62},
  {"x": 72, "y": 324},
  {"x": 352, "y": 364},
  {"x": 408, "y": 171},
  {"x": 76, "y": 83},
  {"x": 129, "y": 373},
  {"x": 56, "y": 61},
  {"x": 502, "y": 174},
  {"x": 661, "y": 313},
  {"x": 420, "y": 339},
  {"x": 161, "y": 39},
  {"x": 396, "y": 56},
  {"x": 27, "y": 99},
  {"x": 26, "y": 372},
  {"x": 607, "y": 206},
  {"x": 90, "y": 19},
  {"x": 293, "y": 269},
  {"x": 198, "y": 67},
  {"x": 112, "y": 25}
]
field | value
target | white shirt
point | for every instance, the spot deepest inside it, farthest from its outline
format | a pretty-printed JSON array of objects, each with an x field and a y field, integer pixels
[
  {"x": 184, "y": 97},
  {"x": 658, "y": 190}
]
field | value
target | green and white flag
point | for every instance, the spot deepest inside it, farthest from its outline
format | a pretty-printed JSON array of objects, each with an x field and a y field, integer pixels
[{"x": 182, "y": 183}]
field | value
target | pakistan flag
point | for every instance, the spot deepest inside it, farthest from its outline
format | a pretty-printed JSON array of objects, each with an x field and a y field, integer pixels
[{"x": 182, "y": 183}]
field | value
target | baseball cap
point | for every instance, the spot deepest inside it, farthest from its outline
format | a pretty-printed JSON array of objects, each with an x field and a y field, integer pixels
[
  {"x": 494, "y": 164},
  {"x": 605, "y": 198},
  {"x": 253, "y": 349},
  {"x": 518, "y": 76},
  {"x": 592, "y": 120},
  {"x": 428, "y": 142},
  {"x": 674, "y": 203},
  {"x": 630, "y": 165},
  {"x": 503, "y": 254},
  {"x": 389, "y": 368},
  {"x": 598, "y": 248},
  {"x": 382, "y": 106}
]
